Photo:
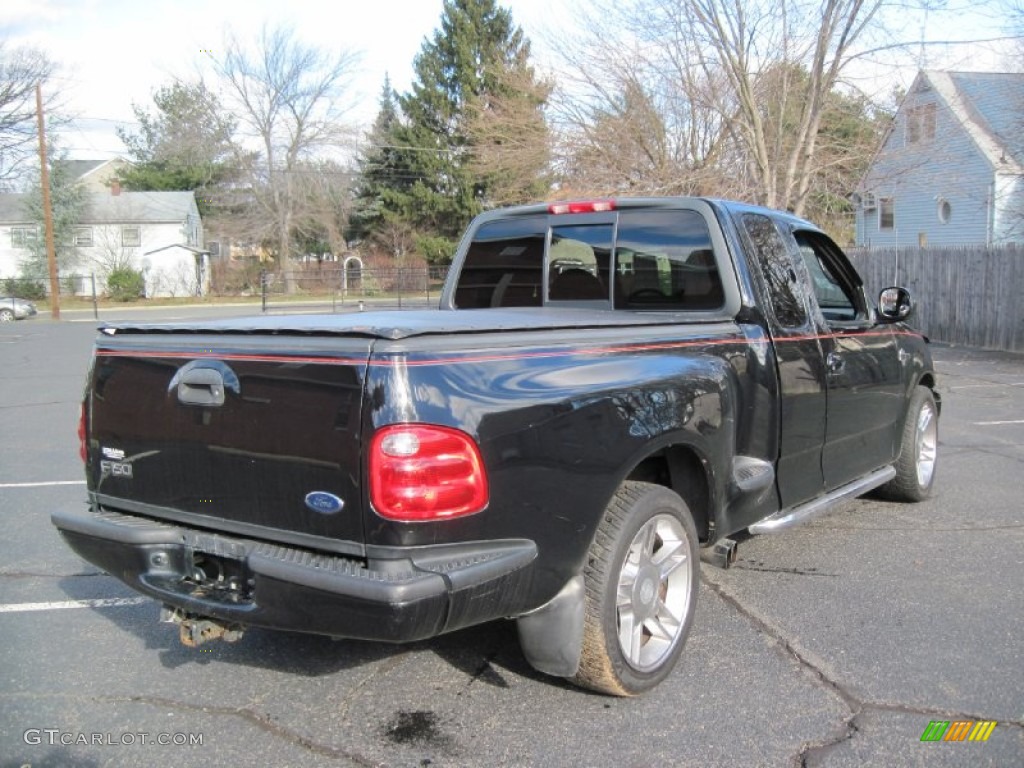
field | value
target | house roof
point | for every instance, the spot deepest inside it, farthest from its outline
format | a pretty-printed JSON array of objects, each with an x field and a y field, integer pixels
[
  {"x": 105, "y": 208},
  {"x": 12, "y": 208},
  {"x": 80, "y": 168},
  {"x": 990, "y": 108},
  {"x": 141, "y": 207}
]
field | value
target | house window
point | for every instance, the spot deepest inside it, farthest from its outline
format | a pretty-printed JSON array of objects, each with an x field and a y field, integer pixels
[
  {"x": 945, "y": 211},
  {"x": 921, "y": 123},
  {"x": 131, "y": 236},
  {"x": 886, "y": 213},
  {"x": 82, "y": 237},
  {"x": 23, "y": 237}
]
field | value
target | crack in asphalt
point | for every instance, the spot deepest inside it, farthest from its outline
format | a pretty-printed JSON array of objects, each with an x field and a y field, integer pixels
[
  {"x": 853, "y": 702},
  {"x": 748, "y": 565},
  {"x": 261, "y": 721},
  {"x": 385, "y": 668},
  {"x": 41, "y": 575}
]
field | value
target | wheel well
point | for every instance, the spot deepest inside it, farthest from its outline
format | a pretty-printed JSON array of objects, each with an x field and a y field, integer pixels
[
  {"x": 927, "y": 380},
  {"x": 681, "y": 469}
]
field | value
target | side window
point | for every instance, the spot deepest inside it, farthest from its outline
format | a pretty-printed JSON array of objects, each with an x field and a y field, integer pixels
[
  {"x": 664, "y": 260},
  {"x": 578, "y": 263},
  {"x": 833, "y": 292},
  {"x": 774, "y": 260},
  {"x": 504, "y": 266}
]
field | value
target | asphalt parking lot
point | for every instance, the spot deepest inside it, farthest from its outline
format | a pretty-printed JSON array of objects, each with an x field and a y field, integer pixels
[{"x": 833, "y": 644}]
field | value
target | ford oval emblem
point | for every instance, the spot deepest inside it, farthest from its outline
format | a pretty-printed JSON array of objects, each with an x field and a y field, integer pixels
[{"x": 324, "y": 503}]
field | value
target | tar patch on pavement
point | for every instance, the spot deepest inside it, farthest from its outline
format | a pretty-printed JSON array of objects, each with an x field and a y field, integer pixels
[{"x": 419, "y": 728}]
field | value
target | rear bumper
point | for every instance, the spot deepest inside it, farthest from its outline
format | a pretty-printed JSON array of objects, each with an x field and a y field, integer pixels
[{"x": 423, "y": 592}]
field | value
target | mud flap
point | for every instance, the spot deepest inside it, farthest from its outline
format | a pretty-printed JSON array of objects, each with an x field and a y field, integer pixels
[{"x": 552, "y": 636}]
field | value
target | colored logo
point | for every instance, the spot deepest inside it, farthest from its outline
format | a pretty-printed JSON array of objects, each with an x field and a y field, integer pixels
[
  {"x": 324, "y": 503},
  {"x": 958, "y": 730}
]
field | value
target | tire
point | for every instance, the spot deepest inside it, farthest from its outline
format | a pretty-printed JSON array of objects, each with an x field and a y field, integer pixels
[
  {"x": 645, "y": 529},
  {"x": 915, "y": 468},
  {"x": 6, "y": 316}
]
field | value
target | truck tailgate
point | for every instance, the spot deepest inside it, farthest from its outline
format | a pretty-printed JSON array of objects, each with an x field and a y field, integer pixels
[{"x": 250, "y": 434}]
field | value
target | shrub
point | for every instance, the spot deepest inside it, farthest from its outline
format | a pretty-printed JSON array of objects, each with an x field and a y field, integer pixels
[
  {"x": 436, "y": 249},
  {"x": 25, "y": 288},
  {"x": 125, "y": 284}
]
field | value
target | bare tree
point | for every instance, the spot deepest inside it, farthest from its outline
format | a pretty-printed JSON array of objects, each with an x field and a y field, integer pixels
[
  {"x": 510, "y": 144},
  {"x": 323, "y": 206},
  {"x": 290, "y": 101},
  {"x": 744, "y": 39},
  {"x": 21, "y": 69},
  {"x": 631, "y": 120},
  {"x": 741, "y": 87}
]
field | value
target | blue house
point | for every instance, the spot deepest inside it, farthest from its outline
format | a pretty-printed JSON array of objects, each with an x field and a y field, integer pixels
[{"x": 950, "y": 171}]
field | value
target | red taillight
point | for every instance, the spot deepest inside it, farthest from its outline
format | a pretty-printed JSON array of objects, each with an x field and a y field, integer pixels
[
  {"x": 582, "y": 206},
  {"x": 420, "y": 472},
  {"x": 83, "y": 449}
]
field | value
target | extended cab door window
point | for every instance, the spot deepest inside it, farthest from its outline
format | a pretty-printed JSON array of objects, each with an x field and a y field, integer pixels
[
  {"x": 777, "y": 269},
  {"x": 799, "y": 357}
]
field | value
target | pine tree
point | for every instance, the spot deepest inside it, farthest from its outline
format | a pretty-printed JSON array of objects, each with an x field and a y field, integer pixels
[
  {"x": 67, "y": 204},
  {"x": 432, "y": 184},
  {"x": 185, "y": 144},
  {"x": 380, "y": 170}
]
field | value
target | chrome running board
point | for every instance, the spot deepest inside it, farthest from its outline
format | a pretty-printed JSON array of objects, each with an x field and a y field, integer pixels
[{"x": 786, "y": 518}]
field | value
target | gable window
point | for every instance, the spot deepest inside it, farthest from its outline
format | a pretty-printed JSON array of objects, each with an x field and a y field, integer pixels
[
  {"x": 921, "y": 124},
  {"x": 945, "y": 211},
  {"x": 23, "y": 237},
  {"x": 886, "y": 213},
  {"x": 131, "y": 236},
  {"x": 82, "y": 237}
]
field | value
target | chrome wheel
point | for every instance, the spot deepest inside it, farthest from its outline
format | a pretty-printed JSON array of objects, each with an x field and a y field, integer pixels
[
  {"x": 653, "y": 592},
  {"x": 6, "y": 316},
  {"x": 927, "y": 444}
]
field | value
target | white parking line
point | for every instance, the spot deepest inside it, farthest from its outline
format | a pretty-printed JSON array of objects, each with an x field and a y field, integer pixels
[
  {"x": 997, "y": 423},
  {"x": 42, "y": 485},
  {"x": 108, "y": 602}
]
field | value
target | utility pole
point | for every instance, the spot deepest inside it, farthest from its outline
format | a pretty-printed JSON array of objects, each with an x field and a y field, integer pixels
[{"x": 44, "y": 177}]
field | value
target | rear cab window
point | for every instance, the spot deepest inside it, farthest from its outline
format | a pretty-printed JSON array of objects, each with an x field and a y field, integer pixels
[{"x": 639, "y": 259}]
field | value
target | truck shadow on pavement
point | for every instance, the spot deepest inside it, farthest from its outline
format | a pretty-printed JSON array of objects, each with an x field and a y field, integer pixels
[{"x": 486, "y": 654}]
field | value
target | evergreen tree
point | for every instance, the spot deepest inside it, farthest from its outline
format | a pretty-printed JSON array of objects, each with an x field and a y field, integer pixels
[
  {"x": 431, "y": 182},
  {"x": 185, "y": 144},
  {"x": 67, "y": 204},
  {"x": 381, "y": 174}
]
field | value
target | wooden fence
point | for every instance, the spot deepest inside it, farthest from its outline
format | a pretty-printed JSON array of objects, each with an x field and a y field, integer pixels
[{"x": 968, "y": 296}]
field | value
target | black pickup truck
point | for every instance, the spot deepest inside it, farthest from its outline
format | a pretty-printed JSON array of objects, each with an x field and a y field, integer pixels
[{"x": 607, "y": 387}]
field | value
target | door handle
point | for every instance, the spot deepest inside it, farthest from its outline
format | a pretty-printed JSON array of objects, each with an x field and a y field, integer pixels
[
  {"x": 201, "y": 386},
  {"x": 203, "y": 382},
  {"x": 834, "y": 362}
]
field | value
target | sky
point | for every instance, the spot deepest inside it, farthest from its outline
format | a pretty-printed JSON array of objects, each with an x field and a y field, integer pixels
[{"x": 116, "y": 52}]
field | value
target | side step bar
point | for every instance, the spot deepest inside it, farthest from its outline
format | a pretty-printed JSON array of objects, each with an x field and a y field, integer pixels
[{"x": 786, "y": 518}]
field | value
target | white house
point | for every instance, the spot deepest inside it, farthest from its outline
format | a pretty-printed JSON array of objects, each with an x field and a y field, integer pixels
[
  {"x": 950, "y": 171},
  {"x": 158, "y": 233},
  {"x": 140, "y": 229}
]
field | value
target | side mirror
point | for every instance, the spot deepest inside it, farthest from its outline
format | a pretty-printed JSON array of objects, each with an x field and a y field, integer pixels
[{"x": 894, "y": 304}]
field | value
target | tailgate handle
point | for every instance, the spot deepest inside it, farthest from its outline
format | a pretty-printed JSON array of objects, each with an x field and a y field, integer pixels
[{"x": 203, "y": 382}]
